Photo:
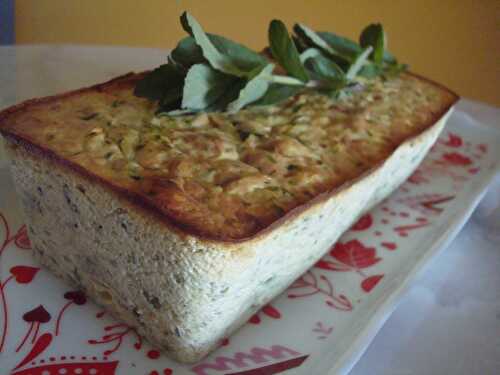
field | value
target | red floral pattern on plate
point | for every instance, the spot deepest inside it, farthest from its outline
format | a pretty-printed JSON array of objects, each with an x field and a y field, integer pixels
[
  {"x": 456, "y": 158},
  {"x": 353, "y": 256},
  {"x": 268, "y": 310}
]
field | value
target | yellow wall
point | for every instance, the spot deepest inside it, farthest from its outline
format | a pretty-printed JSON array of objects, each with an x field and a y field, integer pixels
[{"x": 455, "y": 42}]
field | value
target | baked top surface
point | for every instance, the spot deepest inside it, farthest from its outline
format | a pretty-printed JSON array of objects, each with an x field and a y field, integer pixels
[{"x": 228, "y": 176}]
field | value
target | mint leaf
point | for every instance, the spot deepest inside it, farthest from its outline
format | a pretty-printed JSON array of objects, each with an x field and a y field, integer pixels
[
  {"x": 329, "y": 77},
  {"x": 344, "y": 46},
  {"x": 309, "y": 53},
  {"x": 216, "y": 59},
  {"x": 187, "y": 53},
  {"x": 284, "y": 50},
  {"x": 335, "y": 46},
  {"x": 370, "y": 70},
  {"x": 171, "y": 99},
  {"x": 242, "y": 57},
  {"x": 358, "y": 64},
  {"x": 164, "y": 78},
  {"x": 221, "y": 53},
  {"x": 277, "y": 93},
  {"x": 253, "y": 90},
  {"x": 299, "y": 43},
  {"x": 203, "y": 86},
  {"x": 373, "y": 35},
  {"x": 230, "y": 94},
  {"x": 321, "y": 65},
  {"x": 312, "y": 38}
]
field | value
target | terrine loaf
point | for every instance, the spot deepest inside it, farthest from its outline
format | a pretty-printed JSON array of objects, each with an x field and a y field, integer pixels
[{"x": 184, "y": 226}]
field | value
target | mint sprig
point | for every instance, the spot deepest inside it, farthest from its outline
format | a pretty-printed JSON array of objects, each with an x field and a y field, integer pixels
[
  {"x": 285, "y": 52},
  {"x": 207, "y": 72}
]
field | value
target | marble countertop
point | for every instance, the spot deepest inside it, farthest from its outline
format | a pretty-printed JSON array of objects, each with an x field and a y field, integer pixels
[{"x": 448, "y": 322}]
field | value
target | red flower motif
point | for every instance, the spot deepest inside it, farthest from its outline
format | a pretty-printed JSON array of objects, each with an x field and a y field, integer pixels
[
  {"x": 354, "y": 254},
  {"x": 166, "y": 371},
  {"x": 153, "y": 354},
  {"x": 310, "y": 284},
  {"x": 331, "y": 266},
  {"x": 255, "y": 319},
  {"x": 473, "y": 170},
  {"x": 271, "y": 312},
  {"x": 24, "y": 274},
  {"x": 370, "y": 282},
  {"x": 389, "y": 245},
  {"x": 457, "y": 159},
  {"x": 268, "y": 310},
  {"x": 417, "y": 178},
  {"x": 483, "y": 147},
  {"x": 38, "y": 314},
  {"x": 22, "y": 240},
  {"x": 115, "y": 334},
  {"x": 363, "y": 223},
  {"x": 77, "y": 296},
  {"x": 41, "y": 344},
  {"x": 454, "y": 140}
]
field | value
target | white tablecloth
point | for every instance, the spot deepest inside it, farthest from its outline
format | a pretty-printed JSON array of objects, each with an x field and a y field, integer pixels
[{"x": 448, "y": 323}]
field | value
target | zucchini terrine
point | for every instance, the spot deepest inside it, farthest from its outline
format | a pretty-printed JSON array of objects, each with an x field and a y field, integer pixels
[{"x": 184, "y": 226}]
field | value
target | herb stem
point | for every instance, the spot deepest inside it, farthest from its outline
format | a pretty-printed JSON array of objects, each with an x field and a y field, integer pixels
[
  {"x": 314, "y": 84},
  {"x": 284, "y": 80}
]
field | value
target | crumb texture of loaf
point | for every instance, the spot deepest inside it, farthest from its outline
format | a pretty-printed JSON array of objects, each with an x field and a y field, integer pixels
[{"x": 228, "y": 176}]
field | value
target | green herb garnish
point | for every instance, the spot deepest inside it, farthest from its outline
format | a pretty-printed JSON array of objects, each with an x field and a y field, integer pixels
[
  {"x": 207, "y": 72},
  {"x": 285, "y": 52}
]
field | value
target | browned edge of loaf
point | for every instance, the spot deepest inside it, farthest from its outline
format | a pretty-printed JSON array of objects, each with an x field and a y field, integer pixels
[{"x": 148, "y": 208}]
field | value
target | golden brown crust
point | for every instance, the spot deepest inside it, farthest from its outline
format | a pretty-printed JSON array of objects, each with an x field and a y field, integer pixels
[{"x": 170, "y": 205}]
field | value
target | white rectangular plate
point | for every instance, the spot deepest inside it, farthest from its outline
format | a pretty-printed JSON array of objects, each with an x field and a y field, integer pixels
[{"x": 320, "y": 325}]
